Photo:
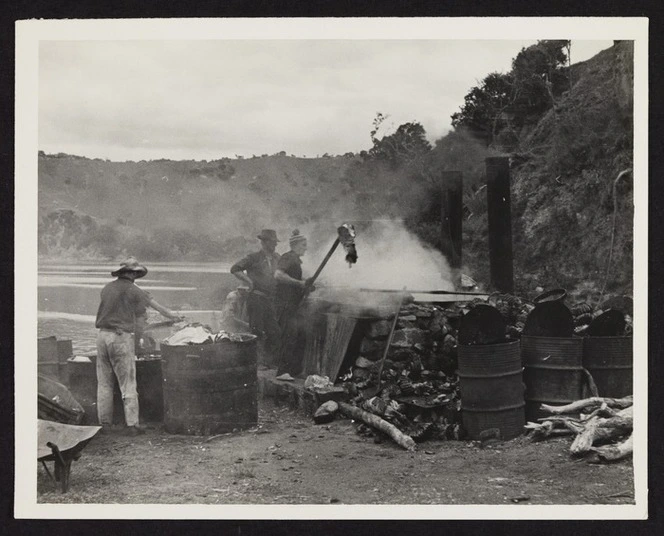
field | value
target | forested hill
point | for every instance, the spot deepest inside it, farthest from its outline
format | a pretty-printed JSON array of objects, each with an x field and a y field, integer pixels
[
  {"x": 167, "y": 210},
  {"x": 568, "y": 133}
]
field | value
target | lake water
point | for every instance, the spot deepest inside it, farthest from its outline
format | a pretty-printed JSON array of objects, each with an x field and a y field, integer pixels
[{"x": 68, "y": 295}]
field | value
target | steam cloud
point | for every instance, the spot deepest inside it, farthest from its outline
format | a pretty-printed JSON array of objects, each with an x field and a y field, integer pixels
[{"x": 389, "y": 257}]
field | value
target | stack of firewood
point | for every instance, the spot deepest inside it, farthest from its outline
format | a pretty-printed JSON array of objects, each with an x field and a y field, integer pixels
[{"x": 601, "y": 427}]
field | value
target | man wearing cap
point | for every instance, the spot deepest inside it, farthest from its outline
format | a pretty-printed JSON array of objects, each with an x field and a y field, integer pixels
[
  {"x": 257, "y": 271},
  {"x": 290, "y": 291},
  {"x": 122, "y": 306}
]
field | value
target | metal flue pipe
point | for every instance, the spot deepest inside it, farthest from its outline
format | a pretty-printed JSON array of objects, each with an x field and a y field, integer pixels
[
  {"x": 500, "y": 223},
  {"x": 451, "y": 221}
]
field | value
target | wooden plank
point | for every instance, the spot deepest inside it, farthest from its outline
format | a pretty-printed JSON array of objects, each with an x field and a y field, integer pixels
[
  {"x": 315, "y": 342},
  {"x": 339, "y": 332}
]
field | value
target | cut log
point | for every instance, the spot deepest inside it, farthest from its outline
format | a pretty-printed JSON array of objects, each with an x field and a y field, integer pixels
[
  {"x": 578, "y": 405},
  {"x": 611, "y": 453},
  {"x": 545, "y": 430},
  {"x": 598, "y": 429},
  {"x": 401, "y": 439},
  {"x": 602, "y": 411}
]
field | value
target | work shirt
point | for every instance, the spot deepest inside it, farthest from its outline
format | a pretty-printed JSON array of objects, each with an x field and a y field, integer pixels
[
  {"x": 260, "y": 267},
  {"x": 289, "y": 295},
  {"x": 121, "y": 303}
]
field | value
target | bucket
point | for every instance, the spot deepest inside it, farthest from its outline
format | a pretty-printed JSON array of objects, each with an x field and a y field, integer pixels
[
  {"x": 210, "y": 388},
  {"x": 609, "y": 361},
  {"x": 553, "y": 371},
  {"x": 491, "y": 388},
  {"x": 82, "y": 382}
]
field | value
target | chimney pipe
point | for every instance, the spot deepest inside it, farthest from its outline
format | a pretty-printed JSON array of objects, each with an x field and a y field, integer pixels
[
  {"x": 451, "y": 221},
  {"x": 500, "y": 223}
]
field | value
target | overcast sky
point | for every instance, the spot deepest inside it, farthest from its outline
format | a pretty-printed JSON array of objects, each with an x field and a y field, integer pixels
[{"x": 134, "y": 100}]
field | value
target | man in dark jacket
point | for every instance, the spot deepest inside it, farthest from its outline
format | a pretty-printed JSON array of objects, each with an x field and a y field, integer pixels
[
  {"x": 122, "y": 306},
  {"x": 257, "y": 271}
]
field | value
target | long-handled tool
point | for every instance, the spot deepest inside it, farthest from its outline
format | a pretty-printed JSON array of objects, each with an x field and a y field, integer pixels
[
  {"x": 373, "y": 391},
  {"x": 394, "y": 291},
  {"x": 345, "y": 236}
]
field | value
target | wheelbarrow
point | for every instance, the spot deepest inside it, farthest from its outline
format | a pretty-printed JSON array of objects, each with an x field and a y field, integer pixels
[{"x": 62, "y": 443}]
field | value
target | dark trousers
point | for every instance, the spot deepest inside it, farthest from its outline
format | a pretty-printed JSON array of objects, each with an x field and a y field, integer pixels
[
  {"x": 293, "y": 340},
  {"x": 263, "y": 323}
]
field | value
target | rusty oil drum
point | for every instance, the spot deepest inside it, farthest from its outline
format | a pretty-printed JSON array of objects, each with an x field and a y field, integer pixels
[
  {"x": 553, "y": 371},
  {"x": 210, "y": 388},
  {"x": 492, "y": 389},
  {"x": 609, "y": 361}
]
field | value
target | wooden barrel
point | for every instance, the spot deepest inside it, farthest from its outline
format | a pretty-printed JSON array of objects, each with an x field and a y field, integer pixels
[
  {"x": 553, "y": 371},
  {"x": 609, "y": 360},
  {"x": 491, "y": 388},
  {"x": 82, "y": 382},
  {"x": 210, "y": 388},
  {"x": 149, "y": 384}
]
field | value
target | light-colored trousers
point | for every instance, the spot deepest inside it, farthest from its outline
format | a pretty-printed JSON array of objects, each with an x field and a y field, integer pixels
[{"x": 116, "y": 356}]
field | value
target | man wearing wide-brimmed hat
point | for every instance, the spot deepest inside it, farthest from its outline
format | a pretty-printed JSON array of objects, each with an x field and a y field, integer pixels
[
  {"x": 257, "y": 271},
  {"x": 122, "y": 305}
]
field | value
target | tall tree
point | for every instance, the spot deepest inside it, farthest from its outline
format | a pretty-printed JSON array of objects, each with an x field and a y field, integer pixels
[{"x": 405, "y": 145}]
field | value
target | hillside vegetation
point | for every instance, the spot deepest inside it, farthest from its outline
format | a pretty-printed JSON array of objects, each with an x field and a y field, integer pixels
[{"x": 567, "y": 130}]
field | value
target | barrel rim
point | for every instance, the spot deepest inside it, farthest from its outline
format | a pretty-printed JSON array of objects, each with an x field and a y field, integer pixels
[
  {"x": 492, "y": 345},
  {"x": 498, "y": 375},
  {"x": 574, "y": 338},
  {"x": 209, "y": 344}
]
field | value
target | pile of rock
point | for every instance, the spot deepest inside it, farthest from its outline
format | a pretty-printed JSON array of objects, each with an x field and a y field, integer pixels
[
  {"x": 419, "y": 388},
  {"x": 419, "y": 391}
]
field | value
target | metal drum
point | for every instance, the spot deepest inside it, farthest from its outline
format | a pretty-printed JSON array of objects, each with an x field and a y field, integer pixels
[
  {"x": 492, "y": 390},
  {"x": 553, "y": 371},
  {"x": 210, "y": 388},
  {"x": 609, "y": 360}
]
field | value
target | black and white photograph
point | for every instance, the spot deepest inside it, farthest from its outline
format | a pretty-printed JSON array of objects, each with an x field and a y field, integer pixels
[{"x": 331, "y": 268}]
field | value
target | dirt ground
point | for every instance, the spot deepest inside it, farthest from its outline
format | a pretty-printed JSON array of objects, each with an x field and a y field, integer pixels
[{"x": 287, "y": 459}]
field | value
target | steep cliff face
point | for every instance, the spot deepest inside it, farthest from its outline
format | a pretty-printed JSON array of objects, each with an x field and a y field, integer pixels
[{"x": 571, "y": 217}]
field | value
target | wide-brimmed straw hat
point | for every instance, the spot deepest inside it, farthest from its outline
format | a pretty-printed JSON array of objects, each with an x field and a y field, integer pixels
[
  {"x": 268, "y": 234},
  {"x": 131, "y": 265}
]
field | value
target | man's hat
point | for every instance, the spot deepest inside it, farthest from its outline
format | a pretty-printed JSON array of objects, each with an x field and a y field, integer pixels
[
  {"x": 296, "y": 237},
  {"x": 131, "y": 265},
  {"x": 268, "y": 234}
]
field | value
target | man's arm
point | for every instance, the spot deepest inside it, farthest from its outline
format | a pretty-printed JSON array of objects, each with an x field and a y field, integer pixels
[
  {"x": 238, "y": 270},
  {"x": 164, "y": 310},
  {"x": 283, "y": 277}
]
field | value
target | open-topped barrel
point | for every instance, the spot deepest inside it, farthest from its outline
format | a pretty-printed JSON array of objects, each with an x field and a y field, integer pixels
[
  {"x": 210, "y": 388},
  {"x": 490, "y": 375},
  {"x": 491, "y": 385},
  {"x": 553, "y": 371},
  {"x": 609, "y": 361}
]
